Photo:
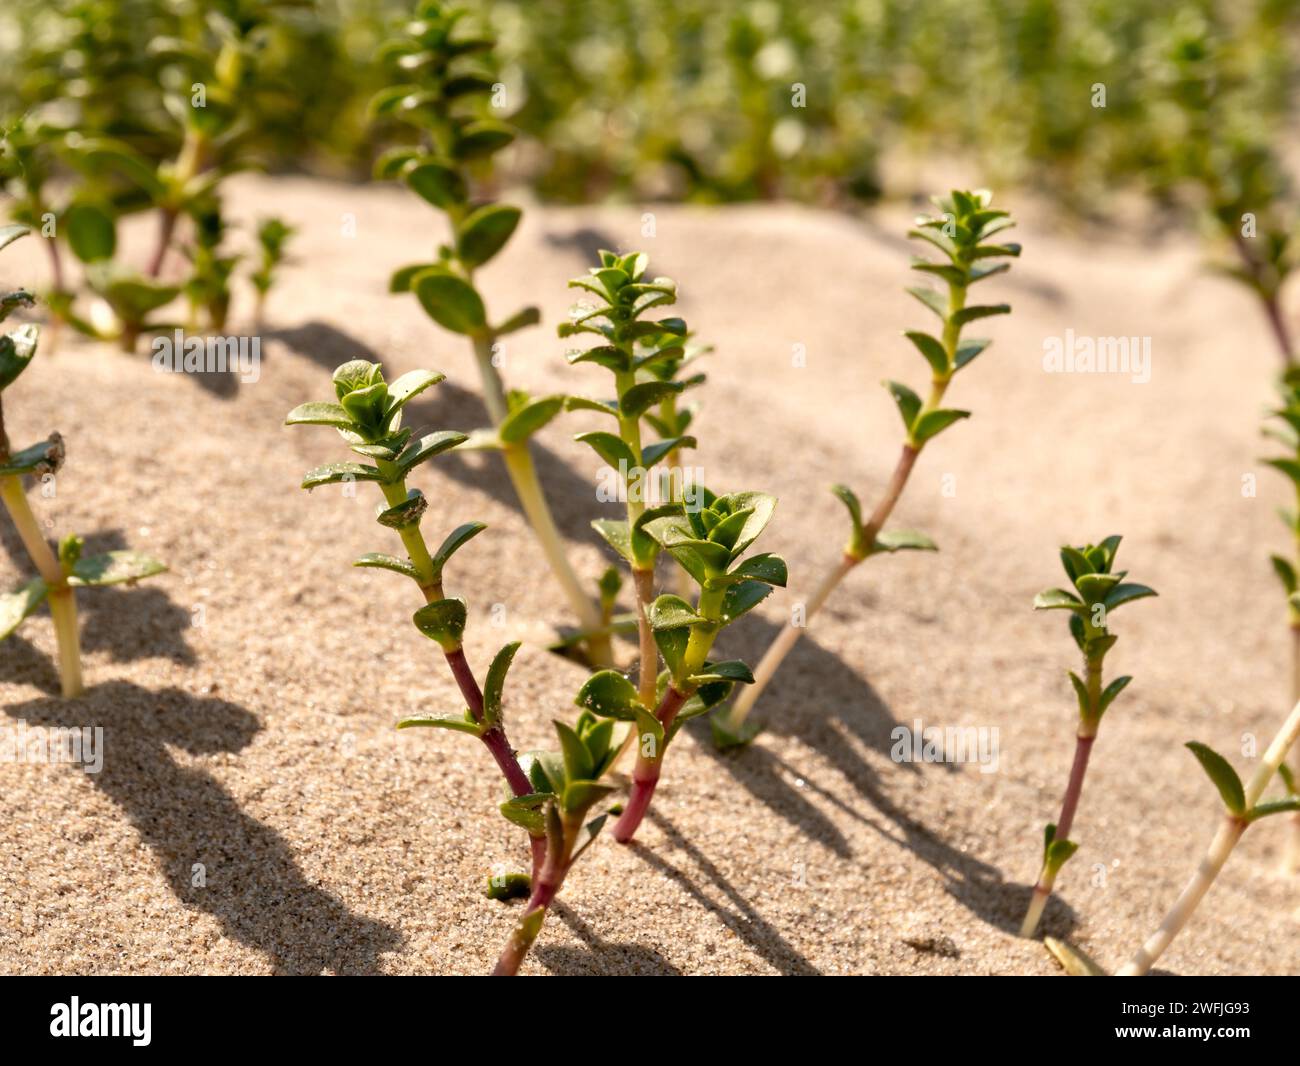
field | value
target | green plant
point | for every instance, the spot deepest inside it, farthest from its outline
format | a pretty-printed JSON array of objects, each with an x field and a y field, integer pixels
[
  {"x": 59, "y": 575},
  {"x": 207, "y": 289},
  {"x": 642, "y": 354},
  {"x": 440, "y": 95},
  {"x": 964, "y": 233},
  {"x": 1097, "y": 591},
  {"x": 551, "y": 794},
  {"x": 1242, "y": 808},
  {"x": 1284, "y": 427},
  {"x": 272, "y": 236},
  {"x": 708, "y": 536}
]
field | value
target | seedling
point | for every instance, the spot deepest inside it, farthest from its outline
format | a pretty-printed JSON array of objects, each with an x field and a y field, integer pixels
[
  {"x": 963, "y": 233},
  {"x": 551, "y": 794},
  {"x": 1097, "y": 591},
  {"x": 272, "y": 236},
  {"x": 441, "y": 95},
  {"x": 1286, "y": 431},
  {"x": 642, "y": 354},
  {"x": 708, "y": 536},
  {"x": 59, "y": 575},
  {"x": 208, "y": 287},
  {"x": 1242, "y": 808}
]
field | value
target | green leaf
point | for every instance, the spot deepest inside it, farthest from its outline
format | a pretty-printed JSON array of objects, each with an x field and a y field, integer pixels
[
  {"x": 672, "y": 612},
  {"x": 659, "y": 450},
  {"x": 761, "y": 505},
  {"x": 672, "y": 646},
  {"x": 11, "y": 232},
  {"x": 971, "y": 314},
  {"x": 581, "y": 403},
  {"x": 114, "y": 568},
  {"x": 1111, "y": 691},
  {"x": 616, "y": 535},
  {"x": 19, "y": 604},
  {"x": 545, "y": 769},
  {"x": 909, "y": 403},
  {"x": 610, "y": 695},
  {"x": 1081, "y": 691},
  {"x": 741, "y": 598},
  {"x": 483, "y": 138},
  {"x": 450, "y": 301},
  {"x": 894, "y": 540},
  {"x": 932, "y": 423},
  {"x": 640, "y": 398},
  {"x": 935, "y": 301},
  {"x": 461, "y": 723},
  {"x": 494, "y": 683},
  {"x": 578, "y": 764},
  {"x": 611, "y": 448},
  {"x": 485, "y": 232},
  {"x": 1056, "y": 599},
  {"x": 455, "y": 540},
  {"x": 526, "y": 811},
  {"x": 439, "y": 184},
  {"x": 967, "y": 350},
  {"x": 1263, "y": 810},
  {"x": 1095, "y": 587},
  {"x": 410, "y": 385},
  {"x": 522, "y": 423},
  {"x": 91, "y": 232},
  {"x": 503, "y": 887},
  {"x": 319, "y": 414},
  {"x": 1222, "y": 774},
  {"x": 43, "y": 458},
  {"x": 443, "y": 621},
  {"x": 529, "y": 316},
  {"x": 17, "y": 349},
  {"x": 380, "y": 561},
  {"x": 1075, "y": 562},
  {"x": 425, "y": 448},
  {"x": 931, "y": 348},
  {"x": 766, "y": 567},
  {"x": 401, "y": 278},
  {"x": 332, "y": 473},
  {"x": 579, "y": 795},
  {"x": 1126, "y": 593},
  {"x": 731, "y": 670}
]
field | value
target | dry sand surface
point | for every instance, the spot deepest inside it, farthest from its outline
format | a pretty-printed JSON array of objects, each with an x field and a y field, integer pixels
[{"x": 260, "y": 743}]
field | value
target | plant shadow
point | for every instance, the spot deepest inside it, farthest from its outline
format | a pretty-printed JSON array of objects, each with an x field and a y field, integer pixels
[
  {"x": 125, "y": 622},
  {"x": 213, "y": 856},
  {"x": 733, "y": 910},
  {"x": 598, "y": 957}
]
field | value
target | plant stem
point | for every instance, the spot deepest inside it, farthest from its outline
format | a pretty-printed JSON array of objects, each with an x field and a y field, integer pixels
[
  {"x": 790, "y": 634},
  {"x": 494, "y": 739},
  {"x": 546, "y": 886},
  {"x": 648, "y": 679},
  {"x": 523, "y": 474},
  {"x": 1229, "y": 832},
  {"x": 1291, "y": 860},
  {"x": 645, "y": 774},
  {"x": 63, "y": 606},
  {"x": 494, "y": 393}
]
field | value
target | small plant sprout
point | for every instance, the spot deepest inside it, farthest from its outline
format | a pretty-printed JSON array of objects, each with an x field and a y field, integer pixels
[
  {"x": 62, "y": 573},
  {"x": 1284, "y": 427},
  {"x": 632, "y": 348},
  {"x": 272, "y": 236},
  {"x": 964, "y": 233},
  {"x": 708, "y": 536},
  {"x": 1098, "y": 590},
  {"x": 207, "y": 289},
  {"x": 551, "y": 794},
  {"x": 440, "y": 93},
  {"x": 1242, "y": 808}
]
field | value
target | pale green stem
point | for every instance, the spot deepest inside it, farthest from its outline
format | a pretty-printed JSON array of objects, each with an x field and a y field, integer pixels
[
  {"x": 1230, "y": 830},
  {"x": 63, "y": 606}
]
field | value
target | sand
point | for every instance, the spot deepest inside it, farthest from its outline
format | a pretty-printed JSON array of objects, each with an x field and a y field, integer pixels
[{"x": 257, "y": 812}]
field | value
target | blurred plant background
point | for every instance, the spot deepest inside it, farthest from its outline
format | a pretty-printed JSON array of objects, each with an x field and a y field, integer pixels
[{"x": 695, "y": 100}]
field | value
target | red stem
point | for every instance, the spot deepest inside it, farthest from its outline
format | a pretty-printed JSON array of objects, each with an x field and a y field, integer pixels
[
  {"x": 166, "y": 226},
  {"x": 1082, "y": 749},
  {"x": 496, "y": 742},
  {"x": 645, "y": 775}
]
